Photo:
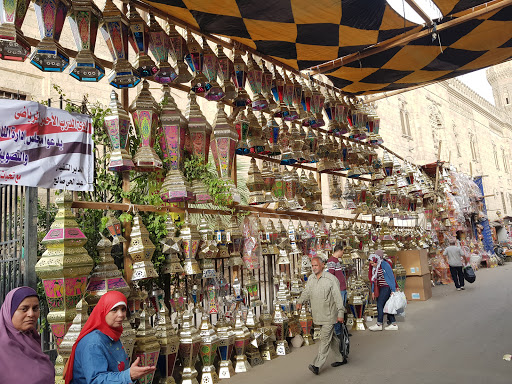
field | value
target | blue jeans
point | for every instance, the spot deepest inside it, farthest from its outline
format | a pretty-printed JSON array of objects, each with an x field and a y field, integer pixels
[
  {"x": 384, "y": 293},
  {"x": 344, "y": 296}
]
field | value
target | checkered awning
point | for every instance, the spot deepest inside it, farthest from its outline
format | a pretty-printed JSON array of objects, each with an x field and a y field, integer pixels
[{"x": 306, "y": 33}]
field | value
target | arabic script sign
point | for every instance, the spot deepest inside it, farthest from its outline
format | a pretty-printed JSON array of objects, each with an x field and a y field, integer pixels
[{"x": 45, "y": 147}]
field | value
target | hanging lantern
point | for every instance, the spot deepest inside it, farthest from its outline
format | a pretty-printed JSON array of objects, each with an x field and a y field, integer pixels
[
  {"x": 266, "y": 87},
  {"x": 114, "y": 227},
  {"x": 200, "y": 132},
  {"x": 74, "y": 330},
  {"x": 242, "y": 340},
  {"x": 306, "y": 323},
  {"x": 225, "y": 69},
  {"x": 141, "y": 250},
  {"x": 178, "y": 50},
  {"x": 235, "y": 237},
  {"x": 268, "y": 180},
  {"x": 242, "y": 127},
  {"x": 210, "y": 70},
  {"x": 195, "y": 60},
  {"x": 190, "y": 343},
  {"x": 105, "y": 275},
  {"x": 280, "y": 320},
  {"x": 117, "y": 124},
  {"x": 288, "y": 97},
  {"x": 190, "y": 241},
  {"x": 278, "y": 93},
  {"x": 279, "y": 189},
  {"x": 239, "y": 76},
  {"x": 254, "y": 135},
  {"x": 139, "y": 40},
  {"x": 175, "y": 187},
  {"x": 144, "y": 110},
  {"x": 63, "y": 267},
  {"x": 169, "y": 343},
  {"x": 296, "y": 143},
  {"x": 255, "y": 184},
  {"x": 159, "y": 46},
  {"x": 147, "y": 347},
  {"x": 274, "y": 130},
  {"x": 255, "y": 77},
  {"x": 285, "y": 146},
  {"x": 225, "y": 348},
  {"x": 290, "y": 193},
  {"x": 13, "y": 44},
  {"x": 84, "y": 18},
  {"x": 171, "y": 247},
  {"x": 49, "y": 56},
  {"x": 208, "y": 350},
  {"x": 208, "y": 250},
  {"x": 223, "y": 148},
  {"x": 115, "y": 29}
]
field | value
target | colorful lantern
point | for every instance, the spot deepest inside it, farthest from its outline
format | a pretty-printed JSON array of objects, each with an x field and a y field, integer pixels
[
  {"x": 242, "y": 340},
  {"x": 174, "y": 126},
  {"x": 225, "y": 348},
  {"x": 84, "y": 18},
  {"x": 141, "y": 250},
  {"x": 178, "y": 50},
  {"x": 144, "y": 110},
  {"x": 115, "y": 30},
  {"x": 13, "y": 44},
  {"x": 255, "y": 77},
  {"x": 169, "y": 343},
  {"x": 195, "y": 61},
  {"x": 225, "y": 70},
  {"x": 190, "y": 241},
  {"x": 239, "y": 76},
  {"x": 278, "y": 93},
  {"x": 190, "y": 343},
  {"x": 255, "y": 184},
  {"x": 139, "y": 40},
  {"x": 63, "y": 267},
  {"x": 147, "y": 347},
  {"x": 171, "y": 248},
  {"x": 280, "y": 320},
  {"x": 159, "y": 45},
  {"x": 242, "y": 127},
  {"x": 210, "y": 70},
  {"x": 208, "y": 350},
  {"x": 117, "y": 124}
]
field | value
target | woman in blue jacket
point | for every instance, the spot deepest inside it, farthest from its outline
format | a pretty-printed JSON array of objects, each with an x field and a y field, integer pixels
[{"x": 383, "y": 285}]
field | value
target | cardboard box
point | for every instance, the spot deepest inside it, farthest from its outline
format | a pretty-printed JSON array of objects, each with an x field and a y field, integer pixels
[
  {"x": 418, "y": 287},
  {"x": 415, "y": 261}
]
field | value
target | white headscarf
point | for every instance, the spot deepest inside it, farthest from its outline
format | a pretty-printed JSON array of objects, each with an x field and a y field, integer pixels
[{"x": 376, "y": 259}]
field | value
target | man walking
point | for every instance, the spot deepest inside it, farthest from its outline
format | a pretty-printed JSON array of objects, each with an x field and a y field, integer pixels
[
  {"x": 454, "y": 256},
  {"x": 335, "y": 268},
  {"x": 323, "y": 292}
]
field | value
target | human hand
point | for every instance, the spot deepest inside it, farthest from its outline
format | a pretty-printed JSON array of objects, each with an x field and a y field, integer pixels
[
  {"x": 373, "y": 296},
  {"x": 340, "y": 319},
  {"x": 299, "y": 306},
  {"x": 136, "y": 371}
]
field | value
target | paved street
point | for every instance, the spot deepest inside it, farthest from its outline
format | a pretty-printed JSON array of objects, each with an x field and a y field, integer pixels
[{"x": 455, "y": 337}]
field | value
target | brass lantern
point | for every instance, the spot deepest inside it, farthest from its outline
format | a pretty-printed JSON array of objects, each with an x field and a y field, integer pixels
[
  {"x": 306, "y": 323},
  {"x": 239, "y": 76},
  {"x": 171, "y": 247},
  {"x": 255, "y": 184},
  {"x": 254, "y": 135},
  {"x": 210, "y": 70},
  {"x": 117, "y": 125},
  {"x": 178, "y": 50},
  {"x": 255, "y": 77},
  {"x": 174, "y": 126},
  {"x": 242, "y": 340},
  {"x": 223, "y": 148},
  {"x": 208, "y": 350},
  {"x": 225, "y": 70},
  {"x": 49, "y": 56},
  {"x": 268, "y": 351},
  {"x": 169, "y": 343},
  {"x": 190, "y": 241},
  {"x": 190, "y": 343},
  {"x": 141, "y": 250},
  {"x": 280, "y": 320},
  {"x": 72, "y": 334},
  {"x": 236, "y": 238},
  {"x": 195, "y": 61},
  {"x": 279, "y": 189},
  {"x": 159, "y": 45},
  {"x": 139, "y": 40},
  {"x": 115, "y": 29},
  {"x": 242, "y": 127},
  {"x": 225, "y": 348},
  {"x": 84, "y": 18},
  {"x": 13, "y": 44},
  {"x": 146, "y": 345},
  {"x": 144, "y": 110},
  {"x": 268, "y": 180}
]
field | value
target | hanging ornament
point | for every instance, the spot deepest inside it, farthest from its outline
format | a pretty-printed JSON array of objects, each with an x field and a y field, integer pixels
[
  {"x": 208, "y": 350},
  {"x": 175, "y": 187},
  {"x": 195, "y": 60},
  {"x": 190, "y": 241},
  {"x": 225, "y": 348},
  {"x": 159, "y": 46},
  {"x": 178, "y": 50},
  {"x": 255, "y": 77},
  {"x": 171, "y": 247},
  {"x": 225, "y": 69},
  {"x": 13, "y": 44},
  {"x": 210, "y": 70},
  {"x": 84, "y": 18},
  {"x": 147, "y": 347},
  {"x": 239, "y": 76},
  {"x": 113, "y": 225},
  {"x": 115, "y": 30},
  {"x": 139, "y": 40},
  {"x": 190, "y": 343}
]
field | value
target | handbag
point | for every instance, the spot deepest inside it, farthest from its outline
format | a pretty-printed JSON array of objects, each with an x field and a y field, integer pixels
[
  {"x": 342, "y": 334},
  {"x": 469, "y": 274}
]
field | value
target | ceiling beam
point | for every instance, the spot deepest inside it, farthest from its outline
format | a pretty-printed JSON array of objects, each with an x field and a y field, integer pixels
[
  {"x": 405, "y": 39},
  {"x": 419, "y": 11}
]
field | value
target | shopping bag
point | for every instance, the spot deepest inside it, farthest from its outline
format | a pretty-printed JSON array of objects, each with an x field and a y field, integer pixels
[
  {"x": 396, "y": 303},
  {"x": 469, "y": 274},
  {"x": 341, "y": 331}
]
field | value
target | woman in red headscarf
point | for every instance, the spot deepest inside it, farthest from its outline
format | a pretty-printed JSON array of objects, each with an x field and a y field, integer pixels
[{"x": 98, "y": 357}]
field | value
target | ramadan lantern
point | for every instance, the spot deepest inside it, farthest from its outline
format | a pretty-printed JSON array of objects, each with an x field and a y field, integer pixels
[
  {"x": 225, "y": 348},
  {"x": 84, "y": 18},
  {"x": 169, "y": 343},
  {"x": 242, "y": 340},
  {"x": 71, "y": 336},
  {"x": 63, "y": 267},
  {"x": 141, "y": 250},
  {"x": 115, "y": 30},
  {"x": 208, "y": 350},
  {"x": 105, "y": 275},
  {"x": 159, "y": 46},
  {"x": 171, "y": 247},
  {"x": 144, "y": 110},
  {"x": 210, "y": 70},
  {"x": 239, "y": 76},
  {"x": 178, "y": 50},
  {"x": 195, "y": 61},
  {"x": 268, "y": 351},
  {"x": 253, "y": 353},
  {"x": 139, "y": 40},
  {"x": 147, "y": 347},
  {"x": 175, "y": 187},
  {"x": 117, "y": 125},
  {"x": 225, "y": 69},
  {"x": 190, "y": 242},
  {"x": 306, "y": 323},
  {"x": 255, "y": 184},
  {"x": 49, "y": 56},
  {"x": 280, "y": 320},
  {"x": 13, "y": 44},
  {"x": 255, "y": 78},
  {"x": 190, "y": 343}
]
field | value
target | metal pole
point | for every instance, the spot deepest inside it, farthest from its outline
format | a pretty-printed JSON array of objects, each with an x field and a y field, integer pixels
[{"x": 30, "y": 236}]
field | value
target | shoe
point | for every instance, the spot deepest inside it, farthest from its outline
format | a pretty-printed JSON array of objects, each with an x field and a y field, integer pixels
[
  {"x": 458, "y": 289},
  {"x": 338, "y": 363},
  {"x": 375, "y": 327},
  {"x": 392, "y": 327},
  {"x": 313, "y": 369},
  {"x": 462, "y": 288}
]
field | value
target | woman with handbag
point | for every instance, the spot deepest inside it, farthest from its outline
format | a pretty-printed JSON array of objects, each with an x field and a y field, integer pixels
[{"x": 383, "y": 285}]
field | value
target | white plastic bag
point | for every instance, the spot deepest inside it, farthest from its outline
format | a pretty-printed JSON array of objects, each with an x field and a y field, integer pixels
[{"x": 396, "y": 303}]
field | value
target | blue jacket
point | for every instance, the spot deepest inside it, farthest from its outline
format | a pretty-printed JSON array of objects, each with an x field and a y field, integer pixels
[
  {"x": 100, "y": 360},
  {"x": 388, "y": 276}
]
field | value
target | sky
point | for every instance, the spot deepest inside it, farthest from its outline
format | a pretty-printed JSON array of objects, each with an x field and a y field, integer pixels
[{"x": 475, "y": 80}]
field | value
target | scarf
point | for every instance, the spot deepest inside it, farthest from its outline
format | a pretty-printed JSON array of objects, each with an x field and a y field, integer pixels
[
  {"x": 21, "y": 350},
  {"x": 97, "y": 321},
  {"x": 374, "y": 257}
]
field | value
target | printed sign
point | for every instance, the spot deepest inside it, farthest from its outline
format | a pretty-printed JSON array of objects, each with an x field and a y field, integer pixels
[{"x": 45, "y": 147}]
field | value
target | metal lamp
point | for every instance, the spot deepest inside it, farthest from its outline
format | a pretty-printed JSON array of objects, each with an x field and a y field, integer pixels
[
  {"x": 255, "y": 78},
  {"x": 242, "y": 340},
  {"x": 208, "y": 350},
  {"x": 225, "y": 69},
  {"x": 190, "y": 241},
  {"x": 190, "y": 343},
  {"x": 159, "y": 45},
  {"x": 210, "y": 70},
  {"x": 147, "y": 347},
  {"x": 13, "y": 44},
  {"x": 225, "y": 348},
  {"x": 195, "y": 61},
  {"x": 141, "y": 250},
  {"x": 117, "y": 125},
  {"x": 239, "y": 76},
  {"x": 178, "y": 49},
  {"x": 139, "y": 40}
]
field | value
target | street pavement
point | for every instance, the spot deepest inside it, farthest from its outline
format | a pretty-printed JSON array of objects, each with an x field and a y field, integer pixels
[{"x": 455, "y": 337}]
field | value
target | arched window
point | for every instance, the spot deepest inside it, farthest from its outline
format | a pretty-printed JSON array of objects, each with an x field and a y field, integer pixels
[
  {"x": 473, "y": 147},
  {"x": 495, "y": 153},
  {"x": 404, "y": 119},
  {"x": 505, "y": 159}
]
